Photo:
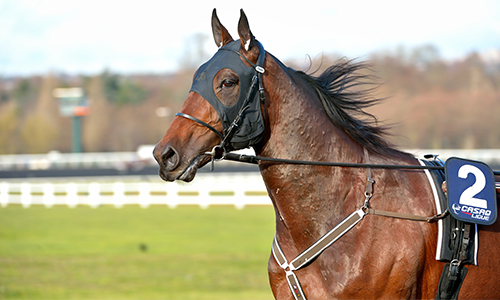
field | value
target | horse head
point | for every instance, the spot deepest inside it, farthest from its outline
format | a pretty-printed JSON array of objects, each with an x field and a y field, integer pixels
[{"x": 222, "y": 111}]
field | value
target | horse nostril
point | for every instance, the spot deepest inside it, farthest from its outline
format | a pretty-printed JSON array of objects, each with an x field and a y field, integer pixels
[{"x": 170, "y": 158}]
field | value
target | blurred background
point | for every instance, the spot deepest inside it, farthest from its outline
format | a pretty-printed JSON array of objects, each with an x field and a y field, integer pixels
[{"x": 87, "y": 87}]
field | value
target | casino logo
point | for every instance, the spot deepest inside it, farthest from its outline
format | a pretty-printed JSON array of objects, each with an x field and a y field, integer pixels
[{"x": 456, "y": 208}]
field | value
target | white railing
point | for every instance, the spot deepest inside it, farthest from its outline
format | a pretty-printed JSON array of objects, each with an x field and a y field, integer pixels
[
  {"x": 56, "y": 160},
  {"x": 238, "y": 189}
]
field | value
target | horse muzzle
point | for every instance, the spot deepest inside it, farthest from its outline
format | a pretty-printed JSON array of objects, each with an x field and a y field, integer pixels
[{"x": 172, "y": 167}]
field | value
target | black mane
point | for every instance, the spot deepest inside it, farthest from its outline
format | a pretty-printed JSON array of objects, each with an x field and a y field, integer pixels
[{"x": 342, "y": 91}]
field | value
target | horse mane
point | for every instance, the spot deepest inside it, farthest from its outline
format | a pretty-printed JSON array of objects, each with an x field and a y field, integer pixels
[{"x": 344, "y": 92}]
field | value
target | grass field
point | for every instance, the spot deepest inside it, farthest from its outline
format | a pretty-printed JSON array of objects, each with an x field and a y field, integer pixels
[{"x": 135, "y": 253}]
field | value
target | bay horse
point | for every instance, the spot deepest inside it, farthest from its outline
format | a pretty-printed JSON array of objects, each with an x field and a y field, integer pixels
[{"x": 245, "y": 97}]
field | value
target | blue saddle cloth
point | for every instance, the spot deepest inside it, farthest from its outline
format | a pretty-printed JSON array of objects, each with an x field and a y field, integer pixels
[{"x": 451, "y": 229}]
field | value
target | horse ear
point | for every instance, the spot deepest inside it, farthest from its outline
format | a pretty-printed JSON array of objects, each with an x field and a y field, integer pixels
[
  {"x": 247, "y": 39},
  {"x": 221, "y": 35}
]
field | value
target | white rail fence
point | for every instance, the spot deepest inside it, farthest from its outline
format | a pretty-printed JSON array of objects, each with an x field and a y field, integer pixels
[{"x": 238, "y": 189}]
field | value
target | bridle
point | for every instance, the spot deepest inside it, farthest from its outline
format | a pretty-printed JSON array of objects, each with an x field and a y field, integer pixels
[{"x": 222, "y": 149}]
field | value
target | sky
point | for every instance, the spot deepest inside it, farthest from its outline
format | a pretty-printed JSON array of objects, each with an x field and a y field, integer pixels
[{"x": 88, "y": 36}]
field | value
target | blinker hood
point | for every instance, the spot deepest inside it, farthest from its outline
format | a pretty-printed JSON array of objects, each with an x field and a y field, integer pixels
[{"x": 251, "y": 126}]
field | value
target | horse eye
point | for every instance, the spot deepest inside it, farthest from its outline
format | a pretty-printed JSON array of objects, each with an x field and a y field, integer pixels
[{"x": 228, "y": 83}]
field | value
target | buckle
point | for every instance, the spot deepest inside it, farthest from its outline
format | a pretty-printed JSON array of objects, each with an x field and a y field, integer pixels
[{"x": 260, "y": 69}]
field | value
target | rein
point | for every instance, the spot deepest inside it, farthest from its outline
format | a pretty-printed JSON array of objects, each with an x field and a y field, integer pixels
[{"x": 253, "y": 159}]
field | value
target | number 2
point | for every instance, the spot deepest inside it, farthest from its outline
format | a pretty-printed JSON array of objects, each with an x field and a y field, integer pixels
[{"x": 467, "y": 197}]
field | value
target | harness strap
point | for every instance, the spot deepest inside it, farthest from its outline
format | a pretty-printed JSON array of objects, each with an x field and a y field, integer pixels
[
  {"x": 327, "y": 240},
  {"x": 369, "y": 181},
  {"x": 397, "y": 215},
  {"x": 293, "y": 281},
  {"x": 369, "y": 193},
  {"x": 320, "y": 245},
  {"x": 312, "y": 252}
]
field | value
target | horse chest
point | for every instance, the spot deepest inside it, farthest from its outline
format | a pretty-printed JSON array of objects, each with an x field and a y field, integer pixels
[{"x": 361, "y": 265}]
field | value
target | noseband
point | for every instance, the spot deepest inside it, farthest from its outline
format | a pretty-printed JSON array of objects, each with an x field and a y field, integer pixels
[{"x": 247, "y": 126}]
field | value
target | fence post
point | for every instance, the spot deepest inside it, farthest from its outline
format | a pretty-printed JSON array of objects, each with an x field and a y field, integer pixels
[
  {"x": 118, "y": 193},
  {"x": 71, "y": 195},
  {"x": 94, "y": 195},
  {"x": 144, "y": 195},
  {"x": 4, "y": 194},
  {"x": 239, "y": 195},
  {"x": 204, "y": 195},
  {"x": 172, "y": 199},
  {"x": 25, "y": 194},
  {"x": 48, "y": 194}
]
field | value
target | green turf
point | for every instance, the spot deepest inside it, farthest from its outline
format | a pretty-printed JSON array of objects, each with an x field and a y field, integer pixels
[{"x": 135, "y": 253}]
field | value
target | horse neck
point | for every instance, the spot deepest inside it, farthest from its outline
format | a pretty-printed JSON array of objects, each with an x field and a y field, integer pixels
[
  {"x": 299, "y": 126},
  {"x": 308, "y": 200}
]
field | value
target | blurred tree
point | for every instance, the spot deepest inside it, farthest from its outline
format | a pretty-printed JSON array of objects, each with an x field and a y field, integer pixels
[
  {"x": 424, "y": 56},
  {"x": 433, "y": 102},
  {"x": 39, "y": 131},
  {"x": 46, "y": 104},
  {"x": 8, "y": 125},
  {"x": 4, "y": 96},
  {"x": 121, "y": 91},
  {"x": 25, "y": 91},
  {"x": 38, "y": 134},
  {"x": 96, "y": 126}
]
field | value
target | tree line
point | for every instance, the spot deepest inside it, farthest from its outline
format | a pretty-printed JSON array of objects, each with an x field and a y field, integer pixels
[{"x": 431, "y": 103}]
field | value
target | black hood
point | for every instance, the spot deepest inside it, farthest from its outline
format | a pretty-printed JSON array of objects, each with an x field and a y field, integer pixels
[{"x": 251, "y": 126}]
